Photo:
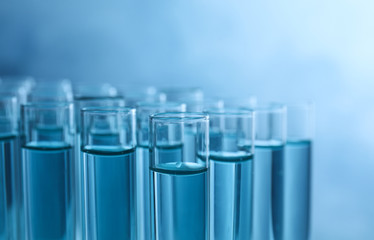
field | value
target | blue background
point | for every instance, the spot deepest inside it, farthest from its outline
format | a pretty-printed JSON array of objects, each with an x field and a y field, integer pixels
[{"x": 321, "y": 50}]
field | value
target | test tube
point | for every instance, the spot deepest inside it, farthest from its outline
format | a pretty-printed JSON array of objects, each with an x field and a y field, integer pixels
[
  {"x": 83, "y": 100},
  {"x": 48, "y": 170},
  {"x": 19, "y": 87},
  {"x": 8, "y": 168},
  {"x": 231, "y": 148},
  {"x": 292, "y": 176},
  {"x": 177, "y": 94},
  {"x": 204, "y": 105},
  {"x": 179, "y": 185},
  {"x": 249, "y": 101},
  {"x": 135, "y": 94},
  {"x": 270, "y": 138},
  {"x": 51, "y": 91},
  {"x": 108, "y": 146},
  {"x": 84, "y": 90},
  {"x": 143, "y": 111}
]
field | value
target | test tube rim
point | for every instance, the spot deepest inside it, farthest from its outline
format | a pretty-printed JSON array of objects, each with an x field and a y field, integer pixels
[
  {"x": 152, "y": 105},
  {"x": 271, "y": 107},
  {"x": 230, "y": 112},
  {"x": 47, "y": 105},
  {"x": 179, "y": 117},
  {"x": 108, "y": 109},
  {"x": 95, "y": 98},
  {"x": 305, "y": 105}
]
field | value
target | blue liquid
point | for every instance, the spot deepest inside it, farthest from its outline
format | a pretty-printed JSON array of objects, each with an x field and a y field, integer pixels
[
  {"x": 19, "y": 225},
  {"x": 179, "y": 198},
  {"x": 265, "y": 156},
  {"x": 79, "y": 192},
  {"x": 49, "y": 133},
  {"x": 110, "y": 193},
  {"x": 10, "y": 220},
  {"x": 230, "y": 197},
  {"x": 143, "y": 193},
  {"x": 3, "y": 203},
  {"x": 49, "y": 190},
  {"x": 96, "y": 139},
  {"x": 291, "y": 192}
]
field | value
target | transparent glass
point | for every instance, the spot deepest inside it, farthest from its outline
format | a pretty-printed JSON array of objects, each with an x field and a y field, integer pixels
[
  {"x": 17, "y": 85},
  {"x": 206, "y": 104},
  {"x": 292, "y": 191},
  {"x": 9, "y": 159},
  {"x": 108, "y": 147},
  {"x": 89, "y": 99},
  {"x": 244, "y": 102},
  {"x": 135, "y": 94},
  {"x": 8, "y": 115},
  {"x": 178, "y": 94},
  {"x": 270, "y": 138},
  {"x": 17, "y": 80},
  {"x": 231, "y": 168},
  {"x": 143, "y": 111},
  {"x": 88, "y": 90},
  {"x": 15, "y": 88},
  {"x": 95, "y": 101},
  {"x": 179, "y": 152},
  {"x": 48, "y": 161},
  {"x": 55, "y": 91},
  {"x": 300, "y": 121}
]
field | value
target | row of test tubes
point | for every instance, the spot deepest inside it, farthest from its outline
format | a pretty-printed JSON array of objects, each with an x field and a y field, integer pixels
[{"x": 91, "y": 162}]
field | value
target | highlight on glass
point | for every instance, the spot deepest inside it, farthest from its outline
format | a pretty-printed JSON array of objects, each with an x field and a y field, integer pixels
[
  {"x": 108, "y": 145},
  {"x": 143, "y": 112},
  {"x": 9, "y": 220},
  {"x": 292, "y": 208},
  {"x": 20, "y": 86},
  {"x": 176, "y": 94},
  {"x": 88, "y": 90},
  {"x": 204, "y": 105},
  {"x": 136, "y": 93},
  {"x": 51, "y": 91},
  {"x": 48, "y": 161},
  {"x": 179, "y": 152},
  {"x": 270, "y": 139},
  {"x": 231, "y": 168}
]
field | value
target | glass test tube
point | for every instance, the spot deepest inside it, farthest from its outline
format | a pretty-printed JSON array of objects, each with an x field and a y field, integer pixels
[
  {"x": 135, "y": 94},
  {"x": 179, "y": 182},
  {"x": 249, "y": 101},
  {"x": 18, "y": 86},
  {"x": 108, "y": 146},
  {"x": 8, "y": 168},
  {"x": 83, "y": 100},
  {"x": 206, "y": 104},
  {"x": 51, "y": 91},
  {"x": 84, "y": 90},
  {"x": 291, "y": 197},
  {"x": 231, "y": 148},
  {"x": 143, "y": 111},
  {"x": 176, "y": 94},
  {"x": 270, "y": 137},
  {"x": 48, "y": 170}
]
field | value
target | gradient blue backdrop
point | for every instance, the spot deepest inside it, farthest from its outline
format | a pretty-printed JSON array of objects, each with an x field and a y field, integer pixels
[{"x": 290, "y": 50}]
